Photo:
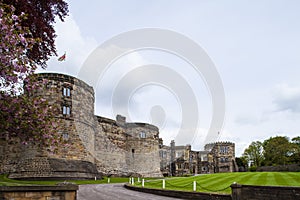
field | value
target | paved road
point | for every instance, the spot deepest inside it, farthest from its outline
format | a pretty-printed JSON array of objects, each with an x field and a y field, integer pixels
[{"x": 112, "y": 192}]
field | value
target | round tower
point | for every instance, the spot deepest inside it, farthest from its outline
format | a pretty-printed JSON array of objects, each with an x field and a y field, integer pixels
[{"x": 74, "y": 103}]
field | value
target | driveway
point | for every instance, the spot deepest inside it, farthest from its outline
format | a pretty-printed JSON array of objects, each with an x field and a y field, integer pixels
[{"x": 112, "y": 192}]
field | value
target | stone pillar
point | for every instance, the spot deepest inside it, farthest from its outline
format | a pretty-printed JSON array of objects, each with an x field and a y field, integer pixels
[{"x": 236, "y": 191}]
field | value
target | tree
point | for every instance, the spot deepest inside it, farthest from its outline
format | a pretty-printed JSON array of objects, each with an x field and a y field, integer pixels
[
  {"x": 242, "y": 163},
  {"x": 254, "y": 153},
  {"x": 295, "y": 150},
  {"x": 276, "y": 150},
  {"x": 23, "y": 115},
  {"x": 40, "y": 19}
]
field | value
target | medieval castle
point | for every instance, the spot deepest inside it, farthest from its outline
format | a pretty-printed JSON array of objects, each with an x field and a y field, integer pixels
[{"x": 98, "y": 145}]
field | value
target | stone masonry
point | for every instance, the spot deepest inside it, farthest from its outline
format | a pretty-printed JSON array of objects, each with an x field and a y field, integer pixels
[
  {"x": 98, "y": 144},
  {"x": 182, "y": 160}
]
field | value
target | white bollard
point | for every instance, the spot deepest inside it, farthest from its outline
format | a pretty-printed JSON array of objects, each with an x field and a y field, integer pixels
[
  {"x": 108, "y": 180},
  {"x": 164, "y": 184},
  {"x": 132, "y": 181},
  {"x": 143, "y": 182},
  {"x": 139, "y": 179},
  {"x": 194, "y": 186}
]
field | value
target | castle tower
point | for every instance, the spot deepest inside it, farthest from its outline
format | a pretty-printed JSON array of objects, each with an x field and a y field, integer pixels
[
  {"x": 143, "y": 149},
  {"x": 74, "y": 103},
  {"x": 222, "y": 156}
]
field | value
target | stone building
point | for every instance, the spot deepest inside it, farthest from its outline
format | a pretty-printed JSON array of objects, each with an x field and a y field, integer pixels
[
  {"x": 221, "y": 157},
  {"x": 181, "y": 160},
  {"x": 94, "y": 144},
  {"x": 97, "y": 145}
]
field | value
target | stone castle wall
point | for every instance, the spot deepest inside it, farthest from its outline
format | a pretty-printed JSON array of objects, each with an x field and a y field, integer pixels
[
  {"x": 111, "y": 147},
  {"x": 115, "y": 147}
]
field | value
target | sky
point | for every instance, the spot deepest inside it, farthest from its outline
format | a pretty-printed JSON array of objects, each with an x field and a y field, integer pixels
[{"x": 253, "y": 45}]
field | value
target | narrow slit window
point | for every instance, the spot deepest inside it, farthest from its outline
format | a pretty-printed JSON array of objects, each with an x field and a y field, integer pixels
[{"x": 132, "y": 151}]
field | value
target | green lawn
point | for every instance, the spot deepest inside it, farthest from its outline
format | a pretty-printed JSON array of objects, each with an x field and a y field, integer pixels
[
  {"x": 4, "y": 181},
  {"x": 221, "y": 182}
]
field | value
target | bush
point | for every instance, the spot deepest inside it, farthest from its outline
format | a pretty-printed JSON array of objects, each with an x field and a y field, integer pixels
[{"x": 252, "y": 169}]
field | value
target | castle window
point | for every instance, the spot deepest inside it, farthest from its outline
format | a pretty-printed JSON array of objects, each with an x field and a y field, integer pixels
[
  {"x": 66, "y": 110},
  {"x": 142, "y": 135},
  {"x": 179, "y": 154},
  {"x": 224, "y": 149},
  {"x": 163, "y": 154},
  {"x": 65, "y": 136},
  {"x": 66, "y": 92}
]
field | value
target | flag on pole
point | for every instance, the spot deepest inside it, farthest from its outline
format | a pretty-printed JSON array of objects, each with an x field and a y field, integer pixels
[{"x": 62, "y": 58}]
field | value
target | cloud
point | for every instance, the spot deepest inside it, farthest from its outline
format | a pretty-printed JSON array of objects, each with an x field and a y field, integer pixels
[
  {"x": 77, "y": 47},
  {"x": 245, "y": 119},
  {"x": 287, "y": 98}
]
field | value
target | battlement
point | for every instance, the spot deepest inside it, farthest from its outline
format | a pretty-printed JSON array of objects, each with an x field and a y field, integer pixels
[
  {"x": 106, "y": 120},
  {"x": 220, "y": 143},
  {"x": 142, "y": 125},
  {"x": 66, "y": 79}
]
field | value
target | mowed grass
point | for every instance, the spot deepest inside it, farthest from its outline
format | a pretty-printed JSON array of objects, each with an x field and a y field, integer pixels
[
  {"x": 212, "y": 183},
  {"x": 220, "y": 183},
  {"x": 4, "y": 181}
]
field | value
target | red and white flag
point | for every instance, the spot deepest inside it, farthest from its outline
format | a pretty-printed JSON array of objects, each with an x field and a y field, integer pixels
[{"x": 63, "y": 57}]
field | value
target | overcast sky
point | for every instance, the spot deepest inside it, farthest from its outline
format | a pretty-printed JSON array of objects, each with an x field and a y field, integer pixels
[{"x": 254, "y": 45}]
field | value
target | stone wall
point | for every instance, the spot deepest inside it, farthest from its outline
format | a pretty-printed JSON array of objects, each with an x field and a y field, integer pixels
[
  {"x": 40, "y": 168},
  {"x": 67, "y": 192},
  {"x": 246, "y": 192},
  {"x": 110, "y": 150},
  {"x": 280, "y": 168},
  {"x": 181, "y": 194},
  {"x": 115, "y": 147}
]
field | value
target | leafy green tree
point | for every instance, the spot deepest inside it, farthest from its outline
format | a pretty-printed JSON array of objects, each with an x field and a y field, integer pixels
[
  {"x": 276, "y": 150},
  {"x": 296, "y": 140},
  {"x": 254, "y": 153},
  {"x": 242, "y": 163},
  {"x": 295, "y": 150}
]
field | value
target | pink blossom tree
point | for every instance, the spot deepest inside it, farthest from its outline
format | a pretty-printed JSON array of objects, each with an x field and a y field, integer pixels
[{"x": 23, "y": 115}]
